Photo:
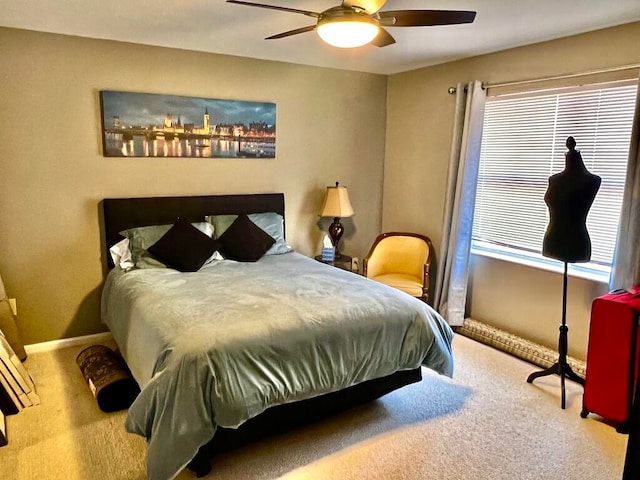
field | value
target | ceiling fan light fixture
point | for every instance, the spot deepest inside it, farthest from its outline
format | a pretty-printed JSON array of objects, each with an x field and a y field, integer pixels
[
  {"x": 354, "y": 23},
  {"x": 347, "y": 32}
]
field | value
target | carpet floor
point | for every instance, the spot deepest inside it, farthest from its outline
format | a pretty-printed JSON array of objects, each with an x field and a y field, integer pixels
[{"x": 486, "y": 423}]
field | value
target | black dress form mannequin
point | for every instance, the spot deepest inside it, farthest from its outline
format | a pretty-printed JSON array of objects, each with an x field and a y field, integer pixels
[{"x": 569, "y": 197}]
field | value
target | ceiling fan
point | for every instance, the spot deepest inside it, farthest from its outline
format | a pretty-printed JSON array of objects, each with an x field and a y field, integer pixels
[{"x": 357, "y": 22}]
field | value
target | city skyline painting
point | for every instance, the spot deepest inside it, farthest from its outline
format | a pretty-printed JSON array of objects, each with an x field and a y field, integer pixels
[{"x": 155, "y": 125}]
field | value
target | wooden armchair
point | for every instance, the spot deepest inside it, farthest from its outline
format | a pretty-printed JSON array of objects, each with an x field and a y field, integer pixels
[{"x": 401, "y": 260}]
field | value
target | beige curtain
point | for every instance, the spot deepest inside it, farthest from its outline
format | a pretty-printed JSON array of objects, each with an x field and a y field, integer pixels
[
  {"x": 626, "y": 260},
  {"x": 453, "y": 262},
  {"x": 8, "y": 324}
]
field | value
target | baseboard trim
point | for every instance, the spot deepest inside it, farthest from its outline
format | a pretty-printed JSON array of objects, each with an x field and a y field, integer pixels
[{"x": 67, "y": 342}]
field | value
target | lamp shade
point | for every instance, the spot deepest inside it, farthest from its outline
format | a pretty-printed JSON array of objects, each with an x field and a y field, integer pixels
[{"x": 336, "y": 203}]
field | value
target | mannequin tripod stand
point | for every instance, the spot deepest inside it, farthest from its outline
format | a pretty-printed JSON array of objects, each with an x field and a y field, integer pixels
[{"x": 561, "y": 367}]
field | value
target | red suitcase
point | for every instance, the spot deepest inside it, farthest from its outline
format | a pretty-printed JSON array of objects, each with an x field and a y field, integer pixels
[{"x": 612, "y": 357}]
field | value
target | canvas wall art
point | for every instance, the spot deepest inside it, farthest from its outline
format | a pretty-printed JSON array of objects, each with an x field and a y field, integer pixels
[{"x": 153, "y": 125}]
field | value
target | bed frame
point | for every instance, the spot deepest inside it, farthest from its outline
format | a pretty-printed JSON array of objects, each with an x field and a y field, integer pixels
[{"x": 117, "y": 214}]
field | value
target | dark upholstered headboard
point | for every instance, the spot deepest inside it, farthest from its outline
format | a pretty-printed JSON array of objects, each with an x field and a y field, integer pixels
[{"x": 117, "y": 214}]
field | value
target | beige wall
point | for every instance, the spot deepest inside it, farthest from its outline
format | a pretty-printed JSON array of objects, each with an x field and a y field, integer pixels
[
  {"x": 330, "y": 123},
  {"x": 331, "y": 126},
  {"x": 519, "y": 299}
]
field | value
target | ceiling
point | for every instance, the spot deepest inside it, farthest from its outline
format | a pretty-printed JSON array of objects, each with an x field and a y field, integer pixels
[{"x": 218, "y": 27}]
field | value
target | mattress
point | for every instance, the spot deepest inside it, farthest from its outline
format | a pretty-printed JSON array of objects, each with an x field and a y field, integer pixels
[{"x": 219, "y": 346}]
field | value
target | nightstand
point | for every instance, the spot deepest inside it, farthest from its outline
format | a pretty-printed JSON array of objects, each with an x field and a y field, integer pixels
[{"x": 341, "y": 261}]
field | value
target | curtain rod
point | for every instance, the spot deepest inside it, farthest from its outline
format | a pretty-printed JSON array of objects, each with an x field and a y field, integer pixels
[{"x": 452, "y": 90}]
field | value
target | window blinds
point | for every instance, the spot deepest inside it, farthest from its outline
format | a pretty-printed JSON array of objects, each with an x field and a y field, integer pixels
[{"x": 524, "y": 143}]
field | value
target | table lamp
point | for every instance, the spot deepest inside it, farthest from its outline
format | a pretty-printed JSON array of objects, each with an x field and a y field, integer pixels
[{"x": 336, "y": 205}]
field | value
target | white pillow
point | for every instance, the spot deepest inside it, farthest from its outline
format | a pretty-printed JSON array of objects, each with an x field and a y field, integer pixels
[{"x": 121, "y": 255}]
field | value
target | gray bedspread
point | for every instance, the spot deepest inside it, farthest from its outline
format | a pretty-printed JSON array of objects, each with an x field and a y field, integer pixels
[{"x": 218, "y": 346}]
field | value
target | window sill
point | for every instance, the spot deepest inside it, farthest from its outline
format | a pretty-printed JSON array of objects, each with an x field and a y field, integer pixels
[{"x": 542, "y": 263}]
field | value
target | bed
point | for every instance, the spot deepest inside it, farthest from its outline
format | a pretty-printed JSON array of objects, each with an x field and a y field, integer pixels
[{"x": 236, "y": 347}]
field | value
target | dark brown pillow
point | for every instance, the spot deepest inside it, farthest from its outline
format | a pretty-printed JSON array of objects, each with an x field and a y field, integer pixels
[
  {"x": 183, "y": 247},
  {"x": 244, "y": 241}
]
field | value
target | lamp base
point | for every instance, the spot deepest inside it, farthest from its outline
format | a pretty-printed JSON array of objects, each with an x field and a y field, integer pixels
[{"x": 335, "y": 232}]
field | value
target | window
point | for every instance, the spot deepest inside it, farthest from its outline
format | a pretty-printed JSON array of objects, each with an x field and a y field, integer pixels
[{"x": 523, "y": 143}]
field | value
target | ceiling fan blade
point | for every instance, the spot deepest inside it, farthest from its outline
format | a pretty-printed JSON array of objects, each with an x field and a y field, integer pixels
[
  {"x": 310, "y": 28},
  {"x": 273, "y": 7},
  {"x": 424, "y": 18},
  {"x": 369, "y": 6},
  {"x": 383, "y": 38}
]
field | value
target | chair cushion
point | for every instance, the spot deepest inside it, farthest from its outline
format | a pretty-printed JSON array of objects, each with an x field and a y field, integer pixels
[{"x": 407, "y": 283}]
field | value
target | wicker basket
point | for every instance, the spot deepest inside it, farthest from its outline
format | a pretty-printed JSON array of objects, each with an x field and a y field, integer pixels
[{"x": 108, "y": 377}]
